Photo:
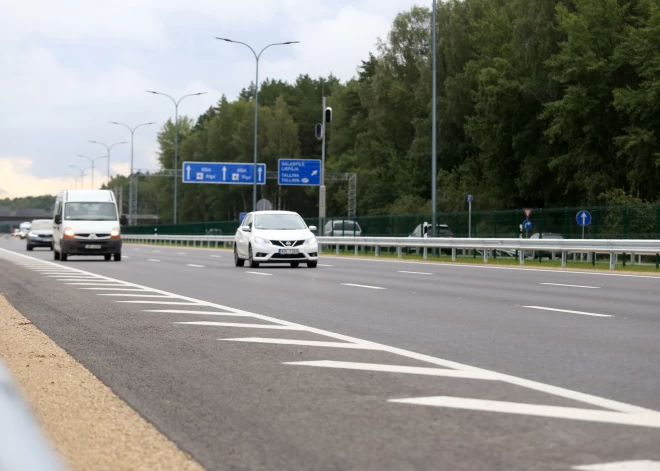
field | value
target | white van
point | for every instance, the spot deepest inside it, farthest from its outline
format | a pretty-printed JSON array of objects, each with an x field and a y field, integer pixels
[{"x": 86, "y": 222}]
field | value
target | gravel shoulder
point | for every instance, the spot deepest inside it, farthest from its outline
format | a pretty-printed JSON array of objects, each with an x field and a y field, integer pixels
[{"x": 88, "y": 425}]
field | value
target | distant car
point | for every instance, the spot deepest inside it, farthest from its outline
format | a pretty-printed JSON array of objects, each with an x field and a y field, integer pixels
[
  {"x": 441, "y": 230},
  {"x": 542, "y": 253},
  {"x": 15, "y": 233},
  {"x": 24, "y": 228},
  {"x": 40, "y": 234},
  {"x": 275, "y": 237},
  {"x": 342, "y": 228}
]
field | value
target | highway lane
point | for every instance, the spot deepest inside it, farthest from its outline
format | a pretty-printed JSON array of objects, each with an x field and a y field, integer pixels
[{"x": 430, "y": 314}]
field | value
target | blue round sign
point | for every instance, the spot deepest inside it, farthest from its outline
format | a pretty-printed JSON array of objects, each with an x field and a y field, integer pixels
[
  {"x": 583, "y": 218},
  {"x": 527, "y": 225}
]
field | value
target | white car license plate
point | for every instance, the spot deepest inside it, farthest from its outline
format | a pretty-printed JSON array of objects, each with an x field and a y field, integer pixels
[
  {"x": 92, "y": 246},
  {"x": 289, "y": 251}
]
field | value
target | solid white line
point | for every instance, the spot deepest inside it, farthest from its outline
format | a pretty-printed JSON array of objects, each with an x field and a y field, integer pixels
[
  {"x": 637, "y": 465},
  {"x": 570, "y": 286},
  {"x": 176, "y": 303},
  {"x": 308, "y": 343},
  {"x": 415, "y": 272},
  {"x": 514, "y": 380},
  {"x": 417, "y": 370},
  {"x": 201, "y": 313},
  {"x": 136, "y": 295},
  {"x": 592, "y": 415},
  {"x": 568, "y": 311},
  {"x": 116, "y": 289},
  {"x": 362, "y": 286},
  {"x": 153, "y": 260},
  {"x": 489, "y": 267},
  {"x": 196, "y": 266},
  {"x": 259, "y": 273},
  {"x": 235, "y": 324}
]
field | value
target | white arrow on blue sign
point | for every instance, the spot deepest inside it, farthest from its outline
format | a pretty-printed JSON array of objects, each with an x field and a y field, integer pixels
[
  {"x": 299, "y": 172},
  {"x": 583, "y": 218},
  {"x": 527, "y": 225},
  {"x": 219, "y": 173}
]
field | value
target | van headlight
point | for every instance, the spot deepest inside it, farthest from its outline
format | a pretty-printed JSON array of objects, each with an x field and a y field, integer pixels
[
  {"x": 32, "y": 235},
  {"x": 115, "y": 233},
  {"x": 69, "y": 233},
  {"x": 310, "y": 241}
]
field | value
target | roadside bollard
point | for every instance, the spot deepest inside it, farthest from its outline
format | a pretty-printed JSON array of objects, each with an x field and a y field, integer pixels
[
  {"x": 377, "y": 251},
  {"x": 453, "y": 254}
]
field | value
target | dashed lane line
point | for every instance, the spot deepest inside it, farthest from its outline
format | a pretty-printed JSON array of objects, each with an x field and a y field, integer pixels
[
  {"x": 362, "y": 286},
  {"x": 567, "y": 311}
]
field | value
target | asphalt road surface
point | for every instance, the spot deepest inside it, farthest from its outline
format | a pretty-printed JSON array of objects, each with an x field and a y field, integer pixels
[{"x": 361, "y": 364}]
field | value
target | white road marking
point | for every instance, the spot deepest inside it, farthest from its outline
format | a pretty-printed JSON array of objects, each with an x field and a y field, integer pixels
[
  {"x": 417, "y": 370},
  {"x": 259, "y": 273},
  {"x": 235, "y": 324},
  {"x": 153, "y": 260},
  {"x": 568, "y": 311},
  {"x": 156, "y": 251},
  {"x": 116, "y": 289},
  {"x": 196, "y": 266},
  {"x": 126, "y": 256},
  {"x": 215, "y": 256},
  {"x": 202, "y": 313},
  {"x": 639, "y": 465},
  {"x": 307, "y": 343},
  {"x": 634, "y": 411},
  {"x": 489, "y": 267},
  {"x": 572, "y": 413},
  {"x": 570, "y": 286},
  {"x": 175, "y": 303},
  {"x": 136, "y": 295},
  {"x": 100, "y": 283},
  {"x": 362, "y": 286},
  {"x": 415, "y": 272},
  {"x": 322, "y": 265},
  {"x": 181, "y": 253}
]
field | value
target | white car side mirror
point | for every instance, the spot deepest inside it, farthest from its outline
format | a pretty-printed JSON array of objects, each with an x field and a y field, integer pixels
[
  {"x": 246, "y": 229},
  {"x": 312, "y": 228}
]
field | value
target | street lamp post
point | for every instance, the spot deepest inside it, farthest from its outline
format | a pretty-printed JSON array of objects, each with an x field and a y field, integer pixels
[
  {"x": 82, "y": 174},
  {"x": 132, "y": 193},
  {"x": 176, "y": 141},
  {"x": 256, "y": 108},
  {"x": 108, "y": 148},
  {"x": 434, "y": 156},
  {"x": 93, "y": 163}
]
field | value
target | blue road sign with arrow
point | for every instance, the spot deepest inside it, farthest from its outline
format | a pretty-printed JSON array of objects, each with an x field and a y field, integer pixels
[
  {"x": 583, "y": 218},
  {"x": 299, "y": 172},
  {"x": 219, "y": 173},
  {"x": 527, "y": 225}
]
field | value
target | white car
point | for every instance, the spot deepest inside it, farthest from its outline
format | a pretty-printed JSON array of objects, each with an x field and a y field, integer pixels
[{"x": 275, "y": 237}]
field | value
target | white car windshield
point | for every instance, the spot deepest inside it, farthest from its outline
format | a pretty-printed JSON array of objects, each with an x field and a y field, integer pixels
[
  {"x": 41, "y": 225},
  {"x": 282, "y": 222},
  {"x": 90, "y": 212}
]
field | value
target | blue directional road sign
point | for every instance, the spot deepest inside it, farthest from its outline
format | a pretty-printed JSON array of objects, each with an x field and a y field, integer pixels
[
  {"x": 527, "y": 225},
  {"x": 583, "y": 218},
  {"x": 299, "y": 172},
  {"x": 241, "y": 216},
  {"x": 469, "y": 198},
  {"x": 219, "y": 173}
]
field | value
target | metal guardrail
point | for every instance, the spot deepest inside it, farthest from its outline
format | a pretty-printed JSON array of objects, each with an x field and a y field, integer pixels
[
  {"x": 22, "y": 445},
  {"x": 613, "y": 247}
]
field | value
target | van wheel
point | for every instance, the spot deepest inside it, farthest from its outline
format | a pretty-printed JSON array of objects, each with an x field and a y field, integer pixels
[
  {"x": 117, "y": 257},
  {"x": 64, "y": 257},
  {"x": 107, "y": 257},
  {"x": 56, "y": 255}
]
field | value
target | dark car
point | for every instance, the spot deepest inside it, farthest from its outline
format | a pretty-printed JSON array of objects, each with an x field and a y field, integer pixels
[{"x": 40, "y": 234}]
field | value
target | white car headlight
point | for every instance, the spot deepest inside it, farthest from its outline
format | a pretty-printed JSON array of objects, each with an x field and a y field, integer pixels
[
  {"x": 260, "y": 240},
  {"x": 310, "y": 241},
  {"x": 32, "y": 235}
]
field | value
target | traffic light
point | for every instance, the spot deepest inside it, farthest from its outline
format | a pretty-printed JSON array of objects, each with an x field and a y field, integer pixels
[{"x": 328, "y": 115}]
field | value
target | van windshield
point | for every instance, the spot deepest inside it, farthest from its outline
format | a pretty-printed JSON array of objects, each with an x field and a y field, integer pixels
[{"x": 90, "y": 212}]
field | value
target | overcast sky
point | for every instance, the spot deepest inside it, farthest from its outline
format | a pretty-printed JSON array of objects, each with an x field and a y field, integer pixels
[{"x": 68, "y": 67}]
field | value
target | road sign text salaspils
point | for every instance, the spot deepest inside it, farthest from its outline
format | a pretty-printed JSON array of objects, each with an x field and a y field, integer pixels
[
  {"x": 300, "y": 172},
  {"x": 227, "y": 173}
]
